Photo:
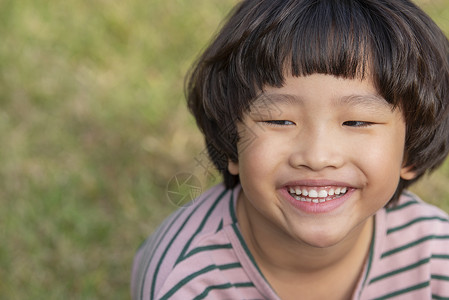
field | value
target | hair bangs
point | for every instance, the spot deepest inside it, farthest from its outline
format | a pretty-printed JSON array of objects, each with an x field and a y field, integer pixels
[
  {"x": 327, "y": 41},
  {"x": 327, "y": 37}
]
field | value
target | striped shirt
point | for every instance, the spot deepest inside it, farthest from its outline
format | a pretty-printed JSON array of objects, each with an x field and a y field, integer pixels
[{"x": 199, "y": 253}]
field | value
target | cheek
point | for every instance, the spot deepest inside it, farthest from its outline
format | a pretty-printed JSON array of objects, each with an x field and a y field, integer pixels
[
  {"x": 260, "y": 159},
  {"x": 379, "y": 156},
  {"x": 255, "y": 159},
  {"x": 381, "y": 161}
]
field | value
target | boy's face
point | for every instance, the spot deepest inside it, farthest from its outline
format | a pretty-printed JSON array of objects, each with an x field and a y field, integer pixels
[{"x": 319, "y": 139}]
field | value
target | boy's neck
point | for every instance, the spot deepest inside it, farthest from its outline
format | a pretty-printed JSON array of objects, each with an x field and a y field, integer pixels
[{"x": 278, "y": 256}]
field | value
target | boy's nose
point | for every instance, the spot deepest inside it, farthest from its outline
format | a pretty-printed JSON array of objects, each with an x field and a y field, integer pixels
[{"x": 317, "y": 150}]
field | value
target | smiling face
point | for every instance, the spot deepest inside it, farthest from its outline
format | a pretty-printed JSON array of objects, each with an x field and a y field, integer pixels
[{"x": 318, "y": 157}]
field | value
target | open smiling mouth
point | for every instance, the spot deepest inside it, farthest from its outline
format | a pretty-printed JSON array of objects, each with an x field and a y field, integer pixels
[{"x": 317, "y": 195}]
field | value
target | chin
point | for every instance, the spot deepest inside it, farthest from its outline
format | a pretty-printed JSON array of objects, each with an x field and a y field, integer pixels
[
  {"x": 323, "y": 243},
  {"x": 321, "y": 240}
]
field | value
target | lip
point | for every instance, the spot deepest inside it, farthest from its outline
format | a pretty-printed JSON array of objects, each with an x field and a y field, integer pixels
[
  {"x": 317, "y": 208},
  {"x": 316, "y": 183}
]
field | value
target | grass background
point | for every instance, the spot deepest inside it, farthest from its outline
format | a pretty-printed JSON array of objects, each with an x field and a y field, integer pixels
[{"x": 92, "y": 128}]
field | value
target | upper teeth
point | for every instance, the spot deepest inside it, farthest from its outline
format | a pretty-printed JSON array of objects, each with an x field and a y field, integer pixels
[{"x": 318, "y": 193}]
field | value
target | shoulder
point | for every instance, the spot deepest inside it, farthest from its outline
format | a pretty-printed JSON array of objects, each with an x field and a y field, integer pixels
[
  {"x": 411, "y": 256},
  {"x": 414, "y": 217},
  {"x": 181, "y": 243}
]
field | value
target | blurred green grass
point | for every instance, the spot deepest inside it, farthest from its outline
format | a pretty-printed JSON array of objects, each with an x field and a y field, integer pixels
[{"x": 93, "y": 125}]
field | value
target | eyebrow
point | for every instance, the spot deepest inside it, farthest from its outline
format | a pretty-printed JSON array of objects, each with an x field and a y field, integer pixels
[
  {"x": 264, "y": 99},
  {"x": 370, "y": 101}
]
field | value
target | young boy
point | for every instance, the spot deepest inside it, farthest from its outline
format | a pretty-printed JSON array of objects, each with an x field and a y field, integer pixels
[{"x": 318, "y": 114}]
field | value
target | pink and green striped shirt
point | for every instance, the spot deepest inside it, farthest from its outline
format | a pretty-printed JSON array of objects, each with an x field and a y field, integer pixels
[{"x": 199, "y": 253}]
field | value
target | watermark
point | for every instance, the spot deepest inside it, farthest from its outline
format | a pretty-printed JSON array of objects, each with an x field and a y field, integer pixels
[
  {"x": 204, "y": 163},
  {"x": 264, "y": 107},
  {"x": 183, "y": 188}
]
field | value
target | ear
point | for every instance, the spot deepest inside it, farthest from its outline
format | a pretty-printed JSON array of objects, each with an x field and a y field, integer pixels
[
  {"x": 408, "y": 172},
  {"x": 233, "y": 167}
]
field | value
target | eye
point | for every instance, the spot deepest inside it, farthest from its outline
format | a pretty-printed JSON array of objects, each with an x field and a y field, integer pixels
[
  {"x": 279, "y": 122},
  {"x": 357, "y": 123}
]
